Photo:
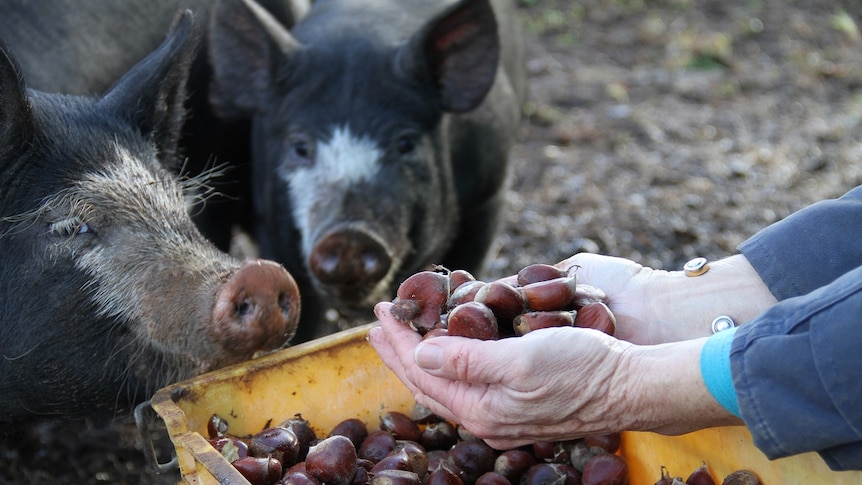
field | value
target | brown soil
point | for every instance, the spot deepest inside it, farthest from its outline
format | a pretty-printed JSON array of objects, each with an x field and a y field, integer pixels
[{"x": 657, "y": 131}]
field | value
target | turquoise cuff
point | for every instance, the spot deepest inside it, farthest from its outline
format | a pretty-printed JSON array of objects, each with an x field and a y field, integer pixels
[{"x": 715, "y": 369}]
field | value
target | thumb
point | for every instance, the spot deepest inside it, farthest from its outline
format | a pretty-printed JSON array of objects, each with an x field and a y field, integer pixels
[{"x": 462, "y": 359}]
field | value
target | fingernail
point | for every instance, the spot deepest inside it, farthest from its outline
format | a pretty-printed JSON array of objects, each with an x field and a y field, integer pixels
[
  {"x": 378, "y": 309},
  {"x": 428, "y": 356}
]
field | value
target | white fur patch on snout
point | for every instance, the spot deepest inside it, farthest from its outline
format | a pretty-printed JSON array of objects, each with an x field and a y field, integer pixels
[{"x": 341, "y": 162}]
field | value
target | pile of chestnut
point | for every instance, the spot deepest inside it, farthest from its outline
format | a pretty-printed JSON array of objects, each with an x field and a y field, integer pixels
[
  {"x": 423, "y": 449},
  {"x": 420, "y": 449},
  {"x": 443, "y": 302}
]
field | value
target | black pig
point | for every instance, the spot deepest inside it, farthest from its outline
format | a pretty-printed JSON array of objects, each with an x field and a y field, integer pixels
[
  {"x": 107, "y": 289},
  {"x": 381, "y": 133},
  {"x": 84, "y": 46}
]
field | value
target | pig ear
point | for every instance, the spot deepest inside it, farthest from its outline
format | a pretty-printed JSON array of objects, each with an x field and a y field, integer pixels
[
  {"x": 458, "y": 51},
  {"x": 152, "y": 94},
  {"x": 15, "y": 120},
  {"x": 244, "y": 40}
]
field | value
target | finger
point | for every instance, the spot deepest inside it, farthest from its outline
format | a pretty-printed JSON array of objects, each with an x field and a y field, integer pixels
[
  {"x": 463, "y": 359},
  {"x": 394, "y": 343}
]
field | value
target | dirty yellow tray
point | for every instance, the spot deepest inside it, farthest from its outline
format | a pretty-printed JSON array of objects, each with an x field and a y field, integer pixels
[{"x": 340, "y": 376}]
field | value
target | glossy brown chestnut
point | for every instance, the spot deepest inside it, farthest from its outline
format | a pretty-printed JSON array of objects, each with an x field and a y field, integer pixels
[
  {"x": 473, "y": 320},
  {"x": 400, "y": 425},
  {"x": 377, "y": 445},
  {"x": 458, "y": 278},
  {"x": 555, "y": 294},
  {"x": 700, "y": 476},
  {"x": 332, "y": 461},
  {"x": 513, "y": 463},
  {"x": 598, "y": 316},
  {"x": 420, "y": 300},
  {"x": 394, "y": 477},
  {"x": 353, "y": 428},
  {"x": 503, "y": 300},
  {"x": 530, "y": 321},
  {"x": 606, "y": 469},
  {"x": 259, "y": 471},
  {"x": 539, "y": 272}
]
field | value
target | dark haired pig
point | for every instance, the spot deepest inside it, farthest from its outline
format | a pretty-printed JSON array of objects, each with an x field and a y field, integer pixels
[
  {"x": 84, "y": 46},
  {"x": 380, "y": 136},
  {"x": 107, "y": 289}
]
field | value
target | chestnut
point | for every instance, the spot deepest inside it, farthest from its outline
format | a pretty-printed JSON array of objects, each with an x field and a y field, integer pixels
[
  {"x": 332, "y": 461},
  {"x": 397, "y": 460},
  {"x": 400, "y": 425},
  {"x": 416, "y": 455},
  {"x": 394, "y": 477},
  {"x": 377, "y": 445},
  {"x": 504, "y": 301},
  {"x": 529, "y": 321},
  {"x": 606, "y": 469},
  {"x": 230, "y": 447},
  {"x": 741, "y": 477},
  {"x": 586, "y": 294},
  {"x": 464, "y": 293},
  {"x": 420, "y": 300},
  {"x": 259, "y": 470},
  {"x": 512, "y": 464},
  {"x": 555, "y": 294},
  {"x": 297, "y": 478},
  {"x": 473, "y": 320},
  {"x": 458, "y": 278},
  {"x": 303, "y": 431},
  {"x": 473, "y": 458},
  {"x": 492, "y": 478},
  {"x": 277, "y": 442},
  {"x": 610, "y": 442},
  {"x": 596, "y": 315},
  {"x": 700, "y": 476},
  {"x": 353, "y": 428},
  {"x": 439, "y": 436},
  {"x": 539, "y": 272}
]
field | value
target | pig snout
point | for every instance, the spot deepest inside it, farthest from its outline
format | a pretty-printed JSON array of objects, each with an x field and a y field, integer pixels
[
  {"x": 349, "y": 261},
  {"x": 257, "y": 308}
]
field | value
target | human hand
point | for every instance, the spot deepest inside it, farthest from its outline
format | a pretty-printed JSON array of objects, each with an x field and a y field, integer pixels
[
  {"x": 548, "y": 385},
  {"x": 657, "y": 306}
]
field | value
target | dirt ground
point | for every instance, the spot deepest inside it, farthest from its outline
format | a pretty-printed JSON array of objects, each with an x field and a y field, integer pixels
[{"x": 656, "y": 130}]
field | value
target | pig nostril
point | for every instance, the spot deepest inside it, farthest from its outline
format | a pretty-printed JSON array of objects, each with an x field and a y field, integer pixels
[{"x": 243, "y": 309}]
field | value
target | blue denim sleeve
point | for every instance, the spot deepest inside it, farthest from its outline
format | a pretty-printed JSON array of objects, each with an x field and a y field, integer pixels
[
  {"x": 796, "y": 371},
  {"x": 810, "y": 248}
]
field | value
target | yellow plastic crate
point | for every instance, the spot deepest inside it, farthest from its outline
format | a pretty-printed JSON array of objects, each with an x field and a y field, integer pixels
[{"x": 340, "y": 376}]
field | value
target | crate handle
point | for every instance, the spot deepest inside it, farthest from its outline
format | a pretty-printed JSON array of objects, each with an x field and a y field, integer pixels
[{"x": 147, "y": 441}]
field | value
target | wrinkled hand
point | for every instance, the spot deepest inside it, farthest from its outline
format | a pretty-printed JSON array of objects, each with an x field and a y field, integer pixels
[
  {"x": 547, "y": 385},
  {"x": 656, "y": 306}
]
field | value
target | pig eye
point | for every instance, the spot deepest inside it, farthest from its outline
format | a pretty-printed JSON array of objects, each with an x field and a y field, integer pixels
[
  {"x": 406, "y": 144},
  {"x": 71, "y": 226},
  {"x": 300, "y": 149}
]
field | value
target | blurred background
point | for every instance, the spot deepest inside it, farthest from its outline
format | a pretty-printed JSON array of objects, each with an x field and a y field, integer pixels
[{"x": 656, "y": 131}]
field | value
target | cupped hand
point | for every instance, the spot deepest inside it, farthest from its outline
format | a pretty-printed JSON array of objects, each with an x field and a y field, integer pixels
[
  {"x": 548, "y": 385},
  {"x": 628, "y": 286}
]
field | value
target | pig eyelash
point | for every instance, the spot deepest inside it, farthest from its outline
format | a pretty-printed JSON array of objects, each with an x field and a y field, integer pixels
[{"x": 71, "y": 226}]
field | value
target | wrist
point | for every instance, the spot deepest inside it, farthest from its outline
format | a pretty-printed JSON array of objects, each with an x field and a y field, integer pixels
[
  {"x": 664, "y": 391},
  {"x": 685, "y": 306}
]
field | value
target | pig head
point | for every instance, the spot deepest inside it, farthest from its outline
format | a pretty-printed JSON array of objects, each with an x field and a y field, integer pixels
[
  {"x": 107, "y": 289},
  {"x": 381, "y": 133}
]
